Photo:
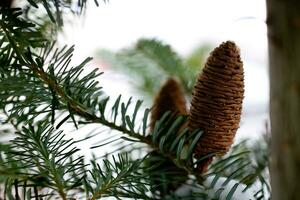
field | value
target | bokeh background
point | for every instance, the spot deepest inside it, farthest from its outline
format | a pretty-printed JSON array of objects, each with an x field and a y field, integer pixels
[{"x": 186, "y": 25}]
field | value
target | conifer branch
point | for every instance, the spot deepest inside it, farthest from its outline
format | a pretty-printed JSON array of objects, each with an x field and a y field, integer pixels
[{"x": 75, "y": 107}]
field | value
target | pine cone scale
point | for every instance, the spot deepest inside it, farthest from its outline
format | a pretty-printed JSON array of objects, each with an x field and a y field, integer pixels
[
  {"x": 220, "y": 87},
  {"x": 222, "y": 75},
  {"x": 232, "y": 83},
  {"x": 216, "y": 91}
]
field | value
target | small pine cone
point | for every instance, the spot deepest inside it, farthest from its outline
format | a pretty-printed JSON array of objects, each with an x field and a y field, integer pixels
[
  {"x": 169, "y": 98},
  {"x": 217, "y": 102}
]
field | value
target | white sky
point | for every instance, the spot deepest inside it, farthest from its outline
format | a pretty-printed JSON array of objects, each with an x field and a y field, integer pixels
[{"x": 184, "y": 24}]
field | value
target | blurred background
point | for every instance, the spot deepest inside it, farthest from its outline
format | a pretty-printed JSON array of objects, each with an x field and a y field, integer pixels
[{"x": 189, "y": 30}]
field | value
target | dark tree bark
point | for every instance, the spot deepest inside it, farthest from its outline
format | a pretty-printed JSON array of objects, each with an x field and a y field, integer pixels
[{"x": 283, "y": 21}]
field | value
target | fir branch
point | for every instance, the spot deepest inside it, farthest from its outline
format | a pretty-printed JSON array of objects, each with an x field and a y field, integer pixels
[
  {"x": 61, "y": 83},
  {"x": 46, "y": 153},
  {"x": 79, "y": 109},
  {"x": 56, "y": 10},
  {"x": 152, "y": 58},
  {"x": 126, "y": 179}
]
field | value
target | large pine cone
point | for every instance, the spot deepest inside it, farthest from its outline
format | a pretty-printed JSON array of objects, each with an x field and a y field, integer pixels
[{"x": 217, "y": 102}]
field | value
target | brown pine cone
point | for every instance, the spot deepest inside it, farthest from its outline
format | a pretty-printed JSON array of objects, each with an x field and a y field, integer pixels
[
  {"x": 169, "y": 98},
  {"x": 217, "y": 102}
]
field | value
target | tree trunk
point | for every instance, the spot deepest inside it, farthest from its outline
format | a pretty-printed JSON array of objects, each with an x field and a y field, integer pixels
[{"x": 283, "y": 20}]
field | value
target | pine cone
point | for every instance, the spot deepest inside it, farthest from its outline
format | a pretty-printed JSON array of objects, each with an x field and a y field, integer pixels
[
  {"x": 217, "y": 102},
  {"x": 169, "y": 98}
]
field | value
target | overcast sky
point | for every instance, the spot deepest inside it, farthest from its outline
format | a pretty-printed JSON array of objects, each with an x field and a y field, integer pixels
[{"x": 182, "y": 23}]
